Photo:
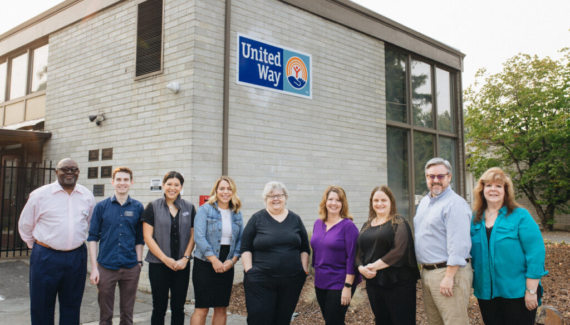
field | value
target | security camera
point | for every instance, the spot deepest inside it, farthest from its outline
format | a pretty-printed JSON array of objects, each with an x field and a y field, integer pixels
[{"x": 97, "y": 119}]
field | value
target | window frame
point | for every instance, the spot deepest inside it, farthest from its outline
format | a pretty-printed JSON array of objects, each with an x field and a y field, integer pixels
[
  {"x": 161, "y": 71},
  {"x": 29, "y": 49},
  {"x": 410, "y": 127}
]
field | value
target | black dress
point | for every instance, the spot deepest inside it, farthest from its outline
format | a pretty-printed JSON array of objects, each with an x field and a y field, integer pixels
[{"x": 392, "y": 292}]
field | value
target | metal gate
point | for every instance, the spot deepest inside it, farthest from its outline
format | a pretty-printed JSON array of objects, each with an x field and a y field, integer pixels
[{"x": 17, "y": 180}]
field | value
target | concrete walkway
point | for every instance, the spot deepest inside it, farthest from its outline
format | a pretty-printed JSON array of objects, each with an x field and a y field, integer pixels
[
  {"x": 15, "y": 301},
  {"x": 557, "y": 236}
]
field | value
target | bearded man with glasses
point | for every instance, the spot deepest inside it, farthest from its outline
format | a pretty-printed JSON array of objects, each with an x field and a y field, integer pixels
[
  {"x": 443, "y": 242},
  {"x": 54, "y": 224}
]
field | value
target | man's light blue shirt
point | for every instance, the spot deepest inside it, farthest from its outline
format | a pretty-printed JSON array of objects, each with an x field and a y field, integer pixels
[{"x": 442, "y": 229}]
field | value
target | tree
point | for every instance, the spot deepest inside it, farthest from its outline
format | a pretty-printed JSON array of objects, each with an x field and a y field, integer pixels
[{"x": 519, "y": 120}]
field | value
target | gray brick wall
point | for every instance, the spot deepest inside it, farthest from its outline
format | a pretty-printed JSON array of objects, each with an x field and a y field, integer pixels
[{"x": 338, "y": 137}]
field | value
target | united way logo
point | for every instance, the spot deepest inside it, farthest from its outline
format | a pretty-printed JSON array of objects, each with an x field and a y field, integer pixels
[
  {"x": 296, "y": 72},
  {"x": 273, "y": 67}
]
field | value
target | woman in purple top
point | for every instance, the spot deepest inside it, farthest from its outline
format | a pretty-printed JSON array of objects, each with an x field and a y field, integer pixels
[{"x": 334, "y": 250}]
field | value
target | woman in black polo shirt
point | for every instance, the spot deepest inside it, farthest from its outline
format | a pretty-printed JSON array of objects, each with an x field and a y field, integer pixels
[
  {"x": 168, "y": 228},
  {"x": 275, "y": 256}
]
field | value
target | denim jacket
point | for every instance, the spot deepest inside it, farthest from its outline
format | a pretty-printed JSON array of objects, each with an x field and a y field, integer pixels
[{"x": 208, "y": 232}]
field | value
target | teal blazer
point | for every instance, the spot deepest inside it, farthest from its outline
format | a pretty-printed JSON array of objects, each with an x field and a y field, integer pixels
[{"x": 514, "y": 253}]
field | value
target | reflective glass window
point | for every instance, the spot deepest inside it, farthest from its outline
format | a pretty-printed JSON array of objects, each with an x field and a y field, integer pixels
[
  {"x": 422, "y": 100},
  {"x": 423, "y": 151},
  {"x": 3, "y": 76},
  {"x": 398, "y": 169},
  {"x": 39, "y": 69},
  {"x": 395, "y": 64},
  {"x": 444, "y": 111},
  {"x": 447, "y": 151},
  {"x": 18, "y": 76}
]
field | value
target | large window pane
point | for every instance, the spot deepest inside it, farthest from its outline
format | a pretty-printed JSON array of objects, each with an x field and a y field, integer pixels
[
  {"x": 423, "y": 151},
  {"x": 395, "y": 65},
  {"x": 39, "y": 70},
  {"x": 398, "y": 169},
  {"x": 447, "y": 151},
  {"x": 444, "y": 111},
  {"x": 3, "y": 74},
  {"x": 422, "y": 107},
  {"x": 18, "y": 76}
]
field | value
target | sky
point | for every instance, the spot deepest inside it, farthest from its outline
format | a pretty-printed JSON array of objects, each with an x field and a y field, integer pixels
[{"x": 488, "y": 31}]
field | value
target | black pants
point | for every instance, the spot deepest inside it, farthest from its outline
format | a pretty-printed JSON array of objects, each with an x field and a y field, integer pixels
[
  {"x": 329, "y": 301},
  {"x": 271, "y": 300},
  {"x": 162, "y": 280},
  {"x": 394, "y": 305},
  {"x": 503, "y": 311}
]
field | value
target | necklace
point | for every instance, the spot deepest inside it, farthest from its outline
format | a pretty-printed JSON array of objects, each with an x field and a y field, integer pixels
[{"x": 491, "y": 214}]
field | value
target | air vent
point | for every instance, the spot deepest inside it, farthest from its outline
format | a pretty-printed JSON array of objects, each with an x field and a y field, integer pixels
[{"x": 149, "y": 37}]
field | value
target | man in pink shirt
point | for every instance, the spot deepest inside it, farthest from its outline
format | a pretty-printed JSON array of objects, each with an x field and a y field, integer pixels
[{"x": 54, "y": 223}]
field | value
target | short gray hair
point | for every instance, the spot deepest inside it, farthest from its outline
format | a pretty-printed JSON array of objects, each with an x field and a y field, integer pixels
[
  {"x": 271, "y": 186},
  {"x": 438, "y": 161}
]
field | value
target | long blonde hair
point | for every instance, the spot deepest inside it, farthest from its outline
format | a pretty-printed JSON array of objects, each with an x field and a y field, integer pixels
[
  {"x": 235, "y": 202},
  {"x": 393, "y": 209},
  {"x": 493, "y": 175},
  {"x": 344, "y": 213}
]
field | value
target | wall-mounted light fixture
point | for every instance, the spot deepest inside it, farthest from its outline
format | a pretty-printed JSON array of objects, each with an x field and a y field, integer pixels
[
  {"x": 174, "y": 87},
  {"x": 97, "y": 119}
]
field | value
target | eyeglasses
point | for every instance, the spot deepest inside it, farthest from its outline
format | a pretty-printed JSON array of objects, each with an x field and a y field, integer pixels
[
  {"x": 276, "y": 196},
  {"x": 66, "y": 170},
  {"x": 440, "y": 176}
]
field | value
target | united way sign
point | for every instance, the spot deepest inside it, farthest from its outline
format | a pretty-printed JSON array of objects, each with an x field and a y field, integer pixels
[{"x": 273, "y": 67}]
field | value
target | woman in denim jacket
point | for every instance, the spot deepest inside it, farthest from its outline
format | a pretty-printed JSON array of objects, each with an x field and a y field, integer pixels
[{"x": 217, "y": 229}]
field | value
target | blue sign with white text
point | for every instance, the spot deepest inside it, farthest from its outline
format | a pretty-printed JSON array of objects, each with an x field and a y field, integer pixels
[{"x": 273, "y": 67}]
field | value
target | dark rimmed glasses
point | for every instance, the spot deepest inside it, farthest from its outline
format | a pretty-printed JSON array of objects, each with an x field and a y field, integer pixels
[{"x": 439, "y": 177}]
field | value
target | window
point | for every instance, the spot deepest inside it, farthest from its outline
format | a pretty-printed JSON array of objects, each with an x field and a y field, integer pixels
[
  {"x": 39, "y": 68},
  {"x": 23, "y": 73},
  {"x": 3, "y": 76},
  {"x": 422, "y": 106},
  {"x": 18, "y": 76},
  {"x": 149, "y": 38},
  {"x": 421, "y": 124}
]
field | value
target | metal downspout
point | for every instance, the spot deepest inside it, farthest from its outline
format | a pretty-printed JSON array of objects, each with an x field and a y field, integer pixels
[{"x": 226, "y": 108}]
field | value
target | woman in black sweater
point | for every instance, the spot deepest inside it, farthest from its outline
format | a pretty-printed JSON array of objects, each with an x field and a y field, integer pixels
[
  {"x": 275, "y": 256},
  {"x": 385, "y": 256}
]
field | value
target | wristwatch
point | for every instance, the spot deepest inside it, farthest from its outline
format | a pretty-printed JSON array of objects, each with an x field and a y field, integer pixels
[
  {"x": 347, "y": 285},
  {"x": 532, "y": 292},
  {"x": 141, "y": 263},
  {"x": 187, "y": 257}
]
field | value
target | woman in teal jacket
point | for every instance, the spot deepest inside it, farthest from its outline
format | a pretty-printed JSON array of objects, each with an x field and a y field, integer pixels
[{"x": 507, "y": 253}]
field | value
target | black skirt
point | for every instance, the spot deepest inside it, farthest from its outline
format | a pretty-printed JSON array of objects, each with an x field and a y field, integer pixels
[{"x": 212, "y": 289}]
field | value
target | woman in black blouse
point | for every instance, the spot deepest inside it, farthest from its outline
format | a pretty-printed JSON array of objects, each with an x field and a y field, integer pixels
[
  {"x": 386, "y": 258},
  {"x": 168, "y": 228},
  {"x": 275, "y": 256}
]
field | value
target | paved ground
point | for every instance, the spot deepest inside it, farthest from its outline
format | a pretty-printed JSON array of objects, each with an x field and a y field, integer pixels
[
  {"x": 557, "y": 236},
  {"x": 15, "y": 302}
]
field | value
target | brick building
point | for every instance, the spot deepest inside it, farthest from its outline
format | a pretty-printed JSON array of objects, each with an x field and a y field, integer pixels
[{"x": 384, "y": 98}]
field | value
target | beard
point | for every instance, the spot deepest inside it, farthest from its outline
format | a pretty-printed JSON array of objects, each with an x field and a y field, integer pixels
[{"x": 438, "y": 191}]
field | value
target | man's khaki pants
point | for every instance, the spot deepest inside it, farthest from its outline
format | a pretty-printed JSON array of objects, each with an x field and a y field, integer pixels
[{"x": 440, "y": 309}]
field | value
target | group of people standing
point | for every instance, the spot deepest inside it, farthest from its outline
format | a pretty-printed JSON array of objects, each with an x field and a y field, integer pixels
[{"x": 497, "y": 249}]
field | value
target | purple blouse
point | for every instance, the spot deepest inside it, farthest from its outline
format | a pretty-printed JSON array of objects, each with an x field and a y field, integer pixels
[{"x": 333, "y": 254}]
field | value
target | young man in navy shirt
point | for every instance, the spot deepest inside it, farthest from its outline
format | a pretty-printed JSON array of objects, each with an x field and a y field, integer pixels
[{"x": 117, "y": 227}]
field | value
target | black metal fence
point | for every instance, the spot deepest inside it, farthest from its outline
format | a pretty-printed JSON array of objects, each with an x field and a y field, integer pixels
[{"x": 17, "y": 180}]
